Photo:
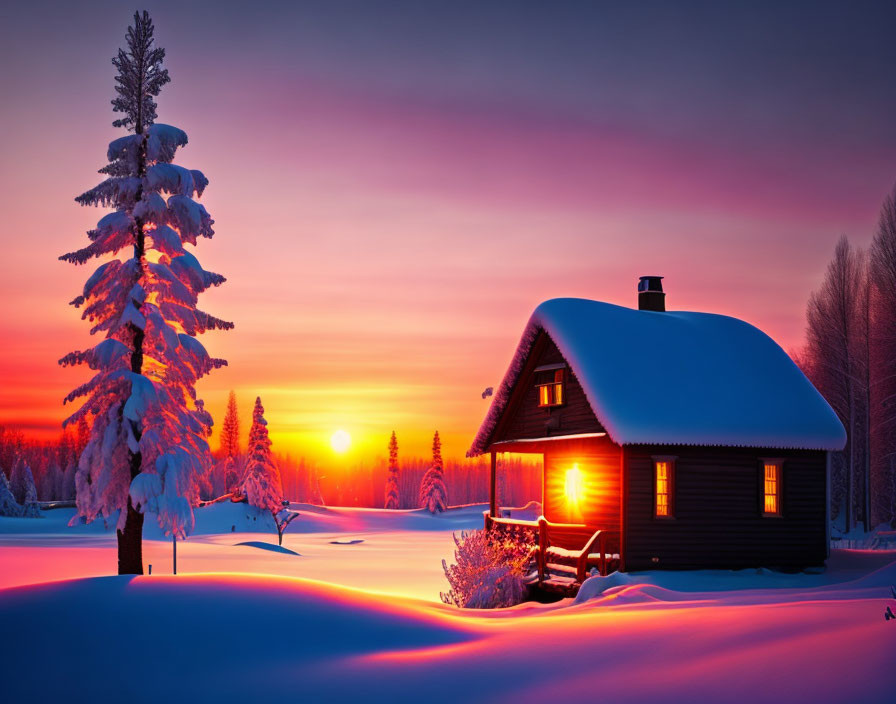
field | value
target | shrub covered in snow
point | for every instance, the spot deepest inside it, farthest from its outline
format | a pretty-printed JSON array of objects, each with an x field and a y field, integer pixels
[{"x": 488, "y": 572}]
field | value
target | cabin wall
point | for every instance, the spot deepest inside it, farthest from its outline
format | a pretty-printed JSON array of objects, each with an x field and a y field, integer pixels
[
  {"x": 598, "y": 461},
  {"x": 524, "y": 419},
  {"x": 718, "y": 521}
]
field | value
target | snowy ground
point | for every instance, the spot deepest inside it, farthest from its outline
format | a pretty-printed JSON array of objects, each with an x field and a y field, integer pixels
[
  {"x": 400, "y": 552},
  {"x": 325, "y": 632}
]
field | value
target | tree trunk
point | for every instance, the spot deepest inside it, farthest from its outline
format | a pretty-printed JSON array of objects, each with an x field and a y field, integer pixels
[{"x": 130, "y": 543}]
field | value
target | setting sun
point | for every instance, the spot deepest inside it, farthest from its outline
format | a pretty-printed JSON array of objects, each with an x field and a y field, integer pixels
[{"x": 340, "y": 441}]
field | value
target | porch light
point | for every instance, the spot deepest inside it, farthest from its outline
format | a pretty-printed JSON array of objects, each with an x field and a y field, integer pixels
[{"x": 575, "y": 485}]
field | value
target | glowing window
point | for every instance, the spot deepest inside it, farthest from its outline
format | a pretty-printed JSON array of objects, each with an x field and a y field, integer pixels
[
  {"x": 771, "y": 488},
  {"x": 550, "y": 393},
  {"x": 664, "y": 472}
]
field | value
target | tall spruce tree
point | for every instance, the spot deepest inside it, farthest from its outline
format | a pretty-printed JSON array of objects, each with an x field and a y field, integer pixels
[
  {"x": 393, "y": 499},
  {"x": 148, "y": 431},
  {"x": 433, "y": 492}
]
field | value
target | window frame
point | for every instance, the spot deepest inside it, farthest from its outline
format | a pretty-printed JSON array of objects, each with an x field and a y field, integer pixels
[
  {"x": 559, "y": 380},
  {"x": 778, "y": 464},
  {"x": 671, "y": 480}
]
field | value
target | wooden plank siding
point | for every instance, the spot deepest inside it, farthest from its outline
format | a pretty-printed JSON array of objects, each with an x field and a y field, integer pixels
[
  {"x": 523, "y": 419},
  {"x": 718, "y": 520},
  {"x": 598, "y": 461}
]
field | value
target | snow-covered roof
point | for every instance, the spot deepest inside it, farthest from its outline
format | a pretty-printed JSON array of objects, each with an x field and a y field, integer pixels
[{"x": 677, "y": 378}]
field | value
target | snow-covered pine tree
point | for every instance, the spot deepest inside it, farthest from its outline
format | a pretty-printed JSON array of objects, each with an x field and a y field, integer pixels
[
  {"x": 52, "y": 484},
  {"x": 229, "y": 467},
  {"x": 392, "y": 493},
  {"x": 147, "y": 441},
  {"x": 83, "y": 435},
  {"x": 20, "y": 479},
  {"x": 261, "y": 484},
  {"x": 230, "y": 429},
  {"x": 317, "y": 496},
  {"x": 231, "y": 475},
  {"x": 8, "y": 504},
  {"x": 30, "y": 509},
  {"x": 68, "y": 482},
  {"x": 433, "y": 492}
]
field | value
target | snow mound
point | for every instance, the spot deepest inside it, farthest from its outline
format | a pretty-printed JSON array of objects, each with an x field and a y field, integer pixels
[
  {"x": 741, "y": 586},
  {"x": 193, "y": 633},
  {"x": 268, "y": 546},
  {"x": 228, "y": 638}
]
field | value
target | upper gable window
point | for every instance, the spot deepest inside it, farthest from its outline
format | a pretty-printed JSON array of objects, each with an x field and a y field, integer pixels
[{"x": 550, "y": 380}]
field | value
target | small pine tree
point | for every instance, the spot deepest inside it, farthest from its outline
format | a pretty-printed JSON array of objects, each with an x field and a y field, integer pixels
[
  {"x": 230, "y": 429},
  {"x": 392, "y": 493},
  {"x": 261, "y": 485},
  {"x": 30, "y": 508},
  {"x": 20, "y": 479},
  {"x": 68, "y": 483},
  {"x": 316, "y": 496},
  {"x": 433, "y": 493},
  {"x": 8, "y": 505},
  {"x": 52, "y": 484},
  {"x": 231, "y": 475}
]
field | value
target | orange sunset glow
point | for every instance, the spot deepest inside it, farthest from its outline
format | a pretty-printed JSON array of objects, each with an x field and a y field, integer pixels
[{"x": 384, "y": 243}]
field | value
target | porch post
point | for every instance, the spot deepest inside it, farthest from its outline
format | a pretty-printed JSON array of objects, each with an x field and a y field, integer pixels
[{"x": 492, "y": 488}]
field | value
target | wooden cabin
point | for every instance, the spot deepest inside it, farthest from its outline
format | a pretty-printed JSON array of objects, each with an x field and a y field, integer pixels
[{"x": 670, "y": 440}]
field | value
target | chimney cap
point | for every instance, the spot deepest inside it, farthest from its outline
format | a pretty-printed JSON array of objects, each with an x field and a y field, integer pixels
[{"x": 650, "y": 283}]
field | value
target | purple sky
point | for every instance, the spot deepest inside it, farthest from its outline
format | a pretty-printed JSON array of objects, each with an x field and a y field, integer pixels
[{"x": 397, "y": 185}]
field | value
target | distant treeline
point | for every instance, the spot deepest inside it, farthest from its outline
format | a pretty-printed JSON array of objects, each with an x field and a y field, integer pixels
[
  {"x": 519, "y": 481},
  {"x": 52, "y": 464},
  {"x": 363, "y": 484},
  {"x": 850, "y": 356}
]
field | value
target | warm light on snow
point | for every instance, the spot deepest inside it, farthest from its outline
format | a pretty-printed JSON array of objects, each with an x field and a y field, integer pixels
[{"x": 340, "y": 441}]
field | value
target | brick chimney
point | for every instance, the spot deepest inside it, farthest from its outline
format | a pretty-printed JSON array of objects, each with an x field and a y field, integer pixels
[{"x": 650, "y": 293}]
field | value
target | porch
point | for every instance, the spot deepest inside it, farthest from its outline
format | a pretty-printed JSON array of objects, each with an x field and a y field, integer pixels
[{"x": 580, "y": 528}]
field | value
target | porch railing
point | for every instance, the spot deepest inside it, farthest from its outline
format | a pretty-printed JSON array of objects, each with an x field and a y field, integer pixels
[{"x": 576, "y": 543}]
